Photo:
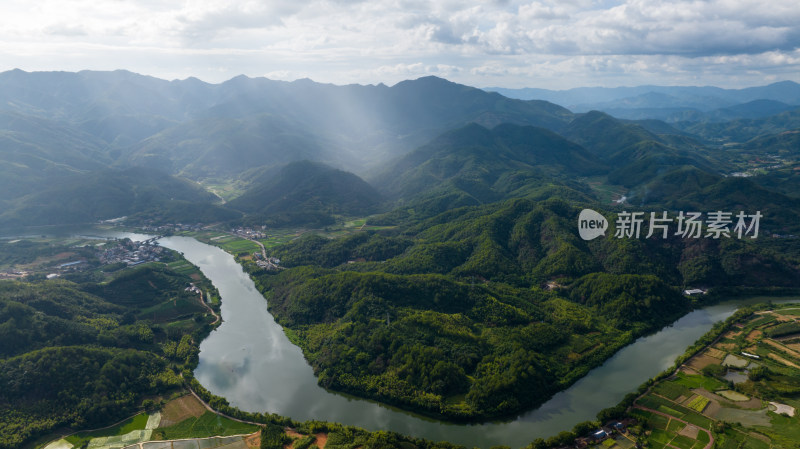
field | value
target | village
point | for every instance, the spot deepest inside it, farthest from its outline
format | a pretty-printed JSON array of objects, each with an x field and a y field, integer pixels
[
  {"x": 132, "y": 253},
  {"x": 250, "y": 233}
]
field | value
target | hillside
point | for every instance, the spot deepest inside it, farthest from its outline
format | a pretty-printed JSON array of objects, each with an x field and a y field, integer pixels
[
  {"x": 80, "y": 355},
  {"x": 475, "y": 165},
  {"x": 144, "y": 120},
  {"x": 305, "y": 193},
  {"x": 444, "y": 316},
  {"x": 110, "y": 193},
  {"x": 35, "y": 152}
]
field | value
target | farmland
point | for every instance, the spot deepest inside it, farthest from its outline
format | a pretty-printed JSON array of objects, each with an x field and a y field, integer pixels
[
  {"x": 726, "y": 392},
  {"x": 183, "y": 418}
]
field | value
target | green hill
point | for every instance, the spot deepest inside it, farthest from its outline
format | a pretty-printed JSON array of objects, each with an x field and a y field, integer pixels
[
  {"x": 635, "y": 154},
  {"x": 34, "y": 152},
  {"x": 475, "y": 165},
  {"x": 110, "y": 193},
  {"x": 487, "y": 311},
  {"x": 305, "y": 193},
  {"x": 691, "y": 189}
]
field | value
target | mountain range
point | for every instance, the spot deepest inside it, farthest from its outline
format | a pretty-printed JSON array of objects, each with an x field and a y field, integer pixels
[{"x": 304, "y": 152}]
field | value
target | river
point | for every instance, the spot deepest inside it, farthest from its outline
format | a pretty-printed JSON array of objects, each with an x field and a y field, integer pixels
[{"x": 249, "y": 361}]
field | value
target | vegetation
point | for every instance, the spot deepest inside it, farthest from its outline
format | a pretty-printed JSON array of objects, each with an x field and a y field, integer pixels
[
  {"x": 107, "y": 194},
  {"x": 208, "y": 425},
  {"x": 747, "y": 423},
  {"x": 448, "y": 318},
  {"x": 305, "y": 193},
  {"x": 87, "y": 354}
]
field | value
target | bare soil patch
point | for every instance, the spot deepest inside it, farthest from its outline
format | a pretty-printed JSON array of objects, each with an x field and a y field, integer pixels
[
  {"x": 181, "y": 409},
  {"x": 690, "y": 431},
  {"x": 780, "y": 359},
  {"x": 712, "y": 409},
  {"x": 195, "y": 276},
  {"x": 783, "y": 348},
  {"x": 731, "y": 334},
  {"x": 253, "y": 441},
  {"x": 716, "y": 353},
  {"x": 689, "y": 370},
  {"x": 725, "y": 346},
  {"x": 322, "y": 440},
  {"x": 701, "y": 361},
  {"x": 752, "y": 336}
]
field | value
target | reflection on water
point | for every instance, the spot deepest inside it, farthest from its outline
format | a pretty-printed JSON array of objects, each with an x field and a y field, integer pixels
[
  {"x": 249, "y": 361},
  {"x": 735, "y": 377}
]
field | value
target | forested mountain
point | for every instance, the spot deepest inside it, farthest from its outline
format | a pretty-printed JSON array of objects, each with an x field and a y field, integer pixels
[
  {"x": 363, "y": 124},
  {"x": 306, "y": 193},
  {"x": 87, "y": 354},
  {"x": 448, "y": 315},
  {"x": 110, "y": 193},
  {"x": 478, "y": 299},
  {"x": 475, "y": 165},
  {"x": 428, "y": 143}
]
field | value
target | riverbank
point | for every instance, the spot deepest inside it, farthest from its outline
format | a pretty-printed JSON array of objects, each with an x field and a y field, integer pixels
[{"x": 249, "y": 361}]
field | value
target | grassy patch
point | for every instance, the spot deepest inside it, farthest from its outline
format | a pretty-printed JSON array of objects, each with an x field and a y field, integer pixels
[
  {"x": 208, "y": 425},
  {"x": 660, "y": 436},
  {"x": 755, "y": 443},
  {"x": 784, "y": 430},
  {"x": 675, "y": 426},
  {"x": 239, "y": 246},
  {"x": 697, "y": 381},
  {"x": 682, "y": 442},
  {"x": 138, "y": 422},
  {"x": 670, "y": 411}
]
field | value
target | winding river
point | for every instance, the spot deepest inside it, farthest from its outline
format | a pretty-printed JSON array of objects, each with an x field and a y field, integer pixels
[{"x": 249, "y": 361}]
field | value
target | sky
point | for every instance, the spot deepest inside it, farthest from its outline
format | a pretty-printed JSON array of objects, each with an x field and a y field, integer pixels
[{"x": 554, "y": 44}]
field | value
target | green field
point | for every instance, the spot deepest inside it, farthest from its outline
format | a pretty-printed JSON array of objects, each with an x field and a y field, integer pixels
[
  {"x": 182, "y": 267},
  {"x": 671, "y": 390},
  {"x": 171, "y": 310},
  {"x": 138, "y": 422},
  {"x": 698, "y": 403},
  {"x": 697, "y": 381},
  {"x": 678, "y": 411},
  {"x": 208, "y": 425}
]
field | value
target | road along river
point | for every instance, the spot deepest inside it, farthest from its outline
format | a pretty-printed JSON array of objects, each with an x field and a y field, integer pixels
[{"x": 249, "y": 361}]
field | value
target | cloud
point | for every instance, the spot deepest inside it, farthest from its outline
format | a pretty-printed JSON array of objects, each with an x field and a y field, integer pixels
[
  {"x": 481, "y": 42},
  {"x": 65, "y": 29}
]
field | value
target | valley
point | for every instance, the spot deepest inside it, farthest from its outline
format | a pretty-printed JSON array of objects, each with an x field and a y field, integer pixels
[{"x": 407, "y": 257}]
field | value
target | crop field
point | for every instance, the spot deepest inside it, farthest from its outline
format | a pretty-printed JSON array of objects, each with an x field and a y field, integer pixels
[
  {"x": 671, "y": 433},
  {"x": 180, "y": 409},
  {"x": 672, "y": 409},
  {"x": 697, "y": 381},
  {"x": 238, "y": 245},
  {"x": 134, "y": 430},
  {"x": 182, "y": 267},
  {"x": 207, "y": 425},
  {"x": 698, "y": 403}
]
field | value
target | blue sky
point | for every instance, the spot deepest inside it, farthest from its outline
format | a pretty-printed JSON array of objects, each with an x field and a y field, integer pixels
[{"x": 504, "y": 43}]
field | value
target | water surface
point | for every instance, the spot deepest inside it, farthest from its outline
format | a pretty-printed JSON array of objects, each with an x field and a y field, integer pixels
[{"x": 249, "y": 361}]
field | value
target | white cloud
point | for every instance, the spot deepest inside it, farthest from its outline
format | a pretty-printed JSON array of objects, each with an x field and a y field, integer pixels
[{"x": 548, "y": 43}]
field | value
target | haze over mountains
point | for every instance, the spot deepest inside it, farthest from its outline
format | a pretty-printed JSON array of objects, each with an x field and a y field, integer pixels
[
  {"x": 671, "y": 103},
  {"x": 428, "y": 144}
]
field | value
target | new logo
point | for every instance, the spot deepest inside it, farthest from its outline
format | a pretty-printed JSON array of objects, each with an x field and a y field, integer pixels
[{"x": 591, "y": 224}]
